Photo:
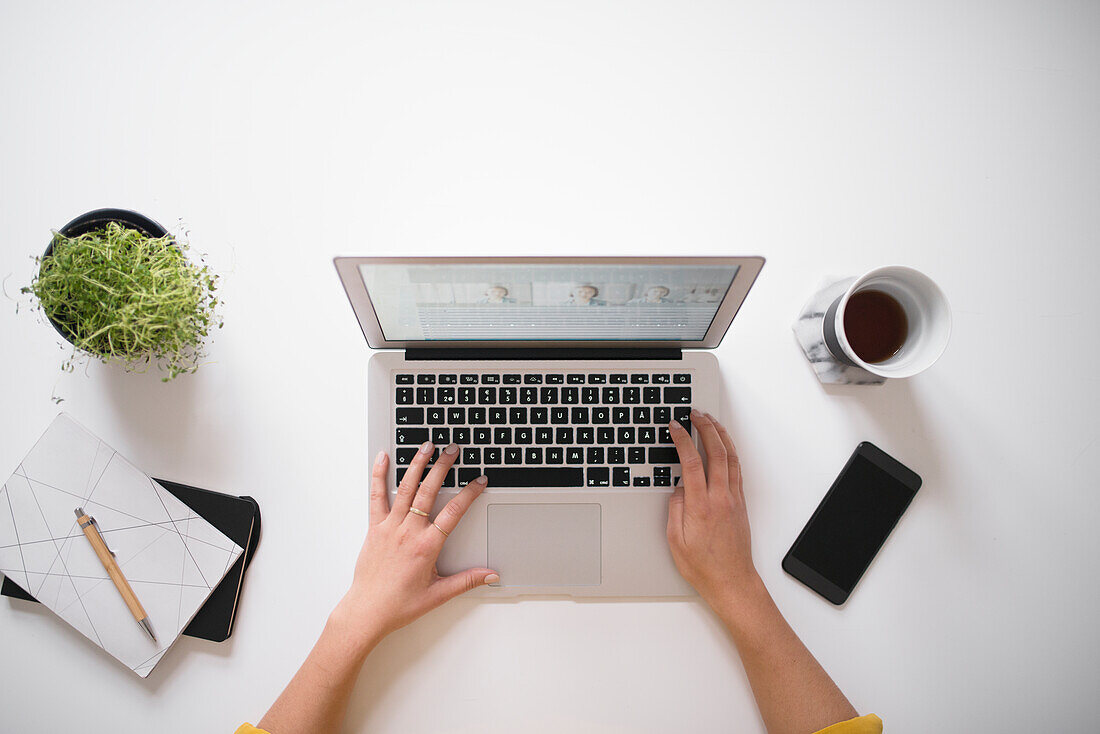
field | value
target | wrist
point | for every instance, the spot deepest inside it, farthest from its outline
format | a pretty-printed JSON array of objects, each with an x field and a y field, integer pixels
[
  {"x": 735, "y": 604},
  {"x": 357, "y": 630}
]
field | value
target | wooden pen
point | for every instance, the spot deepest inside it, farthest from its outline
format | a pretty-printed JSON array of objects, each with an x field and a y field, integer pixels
[{"x": 91, "y": 532}]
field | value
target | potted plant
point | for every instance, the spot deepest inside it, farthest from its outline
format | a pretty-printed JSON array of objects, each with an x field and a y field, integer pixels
[{"x": 117, "y": 286}]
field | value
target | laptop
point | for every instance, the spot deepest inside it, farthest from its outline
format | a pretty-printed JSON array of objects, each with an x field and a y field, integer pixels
[{"x": 557, "y": 377}]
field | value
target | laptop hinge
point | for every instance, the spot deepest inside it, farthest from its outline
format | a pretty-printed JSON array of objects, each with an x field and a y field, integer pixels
[{"x": 541, "y": 354}]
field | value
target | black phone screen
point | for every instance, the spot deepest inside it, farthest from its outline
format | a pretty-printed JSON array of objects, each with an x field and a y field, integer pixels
[{"x": 852, "y": 522}]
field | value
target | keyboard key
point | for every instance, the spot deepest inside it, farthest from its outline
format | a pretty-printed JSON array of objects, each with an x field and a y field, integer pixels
[
  {"x": 681, "y": 379},
  {"x": 493, "y": 455},
  {"x": 456, "y": 416},
  {"x": 445, "y": 395},
  {"x": 411, "y": 435},
  {"x": 555, "y": 379},
  {"x": 662, "y": 379},
  {"x": 586, "y": 434},
  {"x": 626, "y": 435},
  {"x": 475, "y": 416},
  {"x": 508, "y": 395},
  {"x": 616, "y": 455},
  {"x": 595, "y": 455},
  {"x": 620, "y": 415},
  {"x": 573, "y": 455},
  {"x": 544, "y": 435},
  {"x": 632, "y": 395},
  {"x": 525, "y": 434},
  {"x": 425, "y": 395},
  {"x": 498, "y": 416},
  {"x": 554, "y": 455},
  {"x": 570, "y": 396},
  {"x": 449, "y": 478},
  {"x": 540, "y": 477},
  {"x": 468, "y": 379},
  {"x": 404, "y": 396},
  {"x": 410, "y": 416},
  {"x": 618, "y": 379},
  {"x": 575, "y": 379},
  {"x": 513, "y": 455},
  {"x": 662, "y": 481},
  {"x": 539, "y": 416},
  {"x": 590, "y": 395},
  {"x": 564, "y": 436},
  {"x": 641, "y": 415},
  {"x": 404, "y": 379},
  {"x": 651, "y": 395},
  {"x": 487, "y": 395},
  {"x": 597, "y": 379},
  {"x": 684, "y": 416},
  {"x": 559, "y": 415},
  {"x": 467, "y": 395},
  {"x": 601, "y": 414},
  {"x": 436, "y": 416},
  {"x": 674, "y": 395},
  {"x": 610, "y": 395},
  {"x": 532, "y": 379},
  {"x": 639, "y": 379},
  {"x": 663, "y": 435},
  {"x": 620, "y": 476},
  {"x": 663, "y": 455},
  {"x": 528, "y": 395},
  {"x": 578, "y": 416},
  {"x": 441, "y": 436},
  {"x": 425, "y": 379},
  {"x": 502, "y": 436},
  {"x": 448, "y": 379},
  {"x": 641, "y": 481},
  {"x": 517, "y": 415},
  {"x": 511, "y": 379},
  {"x": 647, "y": 434},
  {"x": 636, "y": 455},
  {"x": 404, "y": 456},
  {"x": 483, "y": 436},
  {"x": 662, "y": 416},
  {"x": 490, "y": 379},
  {"x": 460, "y": 436},
  {"x": 467, "y": 475},
  {"x": 548, "y": 396},
  {"x": 606, "y": 434},
  {"x": 599, "y": 476},
  {"x": 401, "y": 474},
  {"x": 471, "y": 456},
  {"x": 532, "y": 456}
]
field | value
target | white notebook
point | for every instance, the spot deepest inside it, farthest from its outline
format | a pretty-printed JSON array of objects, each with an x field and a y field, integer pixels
[{"x": 172, "y": 558}]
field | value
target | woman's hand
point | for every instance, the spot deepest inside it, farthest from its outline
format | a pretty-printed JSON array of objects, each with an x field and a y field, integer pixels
[
  {"x": 708, "y": 528},
  {"x": 396, "y": 579}
]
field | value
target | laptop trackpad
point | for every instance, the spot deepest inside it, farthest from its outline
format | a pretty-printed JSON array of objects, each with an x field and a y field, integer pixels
[{"x": 545, "y": 544}]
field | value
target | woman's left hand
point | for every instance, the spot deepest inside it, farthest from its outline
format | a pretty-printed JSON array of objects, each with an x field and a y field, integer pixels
[{"x": 396, "y": 579}]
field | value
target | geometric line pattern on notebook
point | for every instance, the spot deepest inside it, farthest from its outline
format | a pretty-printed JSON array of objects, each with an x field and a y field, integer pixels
[{"x": 171, "y": 557}]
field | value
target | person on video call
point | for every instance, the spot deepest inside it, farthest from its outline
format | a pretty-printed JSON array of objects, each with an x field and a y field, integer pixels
[
  {"x": 496, "y": 294},
  {"x": 396, "y": 581},
  {"x": 585, "y": 295},
  {"x": 656, "y": 294}
]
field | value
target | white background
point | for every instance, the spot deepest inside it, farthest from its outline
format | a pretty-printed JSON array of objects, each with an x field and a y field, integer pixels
[{"x": 958, "y": 138}]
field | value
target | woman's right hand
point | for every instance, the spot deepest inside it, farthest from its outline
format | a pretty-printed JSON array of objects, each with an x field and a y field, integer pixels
[{"x": 708, "y": 527}]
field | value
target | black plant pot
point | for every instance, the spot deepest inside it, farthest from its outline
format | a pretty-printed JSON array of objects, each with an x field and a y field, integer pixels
[{"x": 99, "y": 219}]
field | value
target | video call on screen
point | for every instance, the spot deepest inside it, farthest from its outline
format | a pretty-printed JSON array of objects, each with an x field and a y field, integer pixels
[{"x": 563, "y": 301}]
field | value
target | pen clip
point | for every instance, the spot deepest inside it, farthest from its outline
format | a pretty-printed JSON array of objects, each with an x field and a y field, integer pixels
[{"x": 91, "y": 521}]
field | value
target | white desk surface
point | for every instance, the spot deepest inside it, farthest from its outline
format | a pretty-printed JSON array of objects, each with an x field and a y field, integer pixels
[{"x": 959, "y": 139}]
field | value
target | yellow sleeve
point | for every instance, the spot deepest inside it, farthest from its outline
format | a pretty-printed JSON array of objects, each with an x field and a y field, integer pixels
[
  {"x": 249, "y": 729},
  {"x": 869, "y": 724}
]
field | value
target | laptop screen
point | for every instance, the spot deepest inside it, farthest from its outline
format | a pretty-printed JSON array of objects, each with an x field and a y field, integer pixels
[{"x": 558, "y": 301}]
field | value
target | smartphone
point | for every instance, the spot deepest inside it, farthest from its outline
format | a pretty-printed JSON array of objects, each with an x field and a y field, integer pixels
[{"x": 851, "y": 523}]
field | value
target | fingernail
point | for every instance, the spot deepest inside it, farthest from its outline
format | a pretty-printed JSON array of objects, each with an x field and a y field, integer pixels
[
  {"x": 492, "y": 578},
  {"x": 427, "y": 447},
  {"x": 380, "y": 458},
  {"x": 452, "y": 449},
  {"x": 710, "y": 417},
  {"x": 675, "y": 426},
  {"x": 481, "y": 480},
  {"x": 695, "y": 413}
]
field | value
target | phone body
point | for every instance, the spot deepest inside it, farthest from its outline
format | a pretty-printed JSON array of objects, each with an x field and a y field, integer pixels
[{"x": 852, "y": 522}]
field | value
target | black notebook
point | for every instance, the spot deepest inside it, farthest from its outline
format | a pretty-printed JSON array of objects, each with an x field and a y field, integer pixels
[{"x": 239, "y": 519}]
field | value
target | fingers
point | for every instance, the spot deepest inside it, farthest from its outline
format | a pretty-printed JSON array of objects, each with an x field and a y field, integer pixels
[
  {"x": 452, "y": 512},
  {"x": 379, "y": 502},
  {"x": 449, "y": 587},
  {"x": 733, "y": 461},
  {"x": 717, "y": 468},
  {"x": 429, "y": 488},
  {"x": 407, "y": 489},
  {"x": 695, "y": 479},
  {"x": 675, "y": 529}
]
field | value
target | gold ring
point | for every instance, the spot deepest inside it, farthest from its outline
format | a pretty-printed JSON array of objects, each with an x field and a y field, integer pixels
[
  {"x": 445, "y": 533},
  {"x": 415, "y": 511}
]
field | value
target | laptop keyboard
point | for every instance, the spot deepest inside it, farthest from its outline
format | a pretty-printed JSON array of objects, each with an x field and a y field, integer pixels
[{"x": 538, "y": 429}]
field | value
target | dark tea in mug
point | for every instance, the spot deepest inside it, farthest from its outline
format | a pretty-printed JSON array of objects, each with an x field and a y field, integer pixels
[{"x": 875, "y": 325}]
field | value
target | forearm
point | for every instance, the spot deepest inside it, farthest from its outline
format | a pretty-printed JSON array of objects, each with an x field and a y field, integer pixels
[
  {"x": 316, "y": 698},
  {"x": 793, "y": 692}
]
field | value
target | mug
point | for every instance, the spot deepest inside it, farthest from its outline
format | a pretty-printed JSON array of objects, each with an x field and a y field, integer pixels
[{"x": 927, "y": 319}]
